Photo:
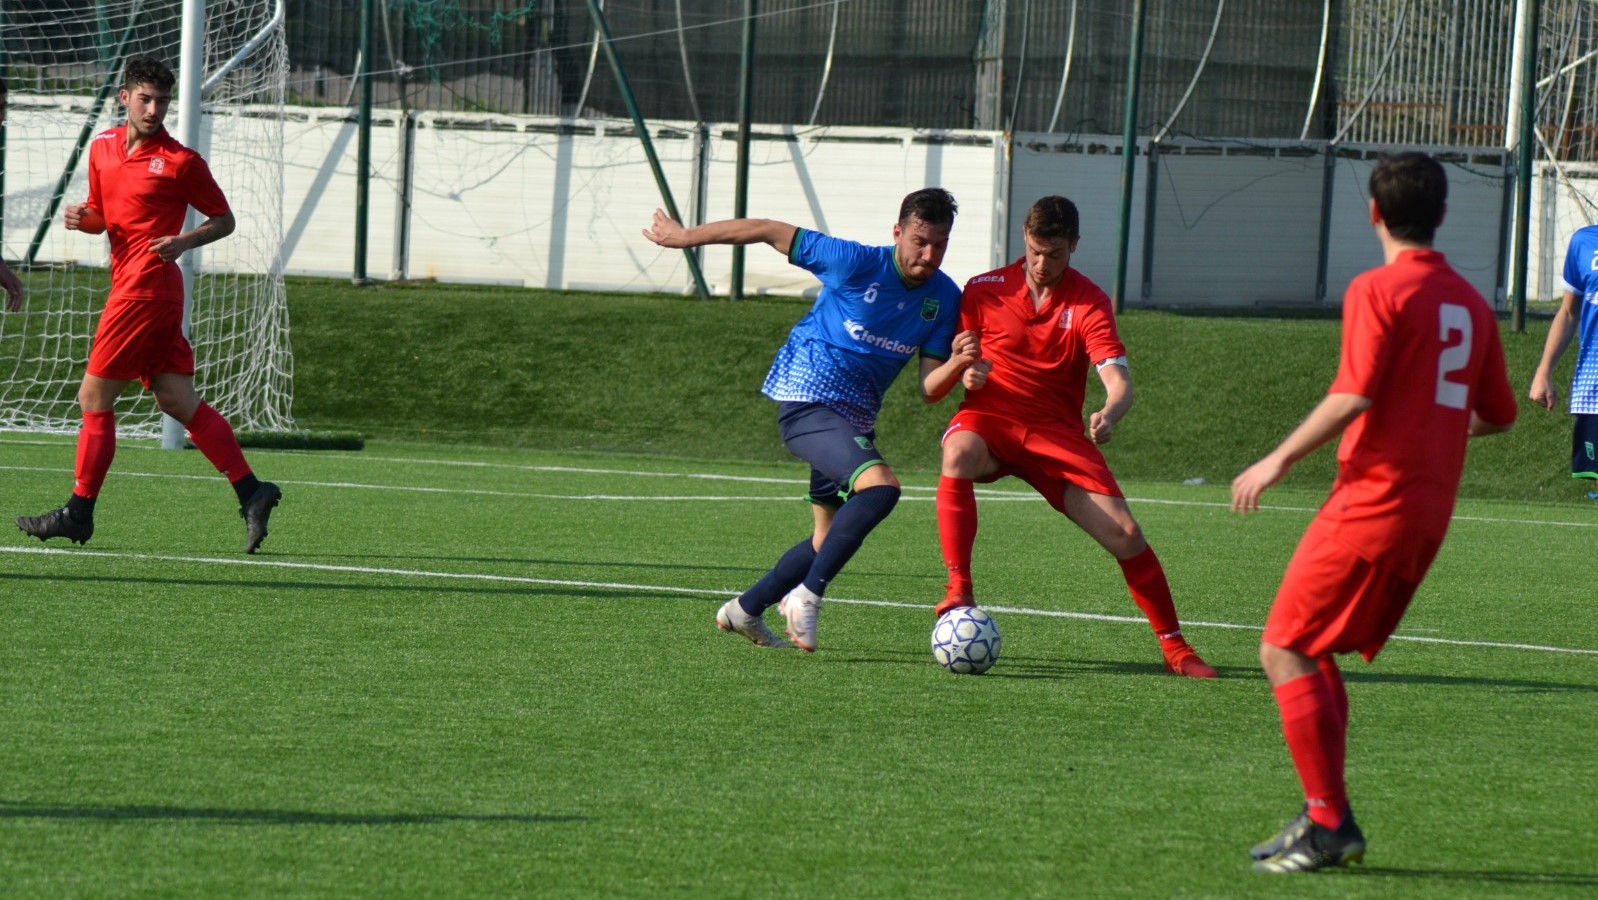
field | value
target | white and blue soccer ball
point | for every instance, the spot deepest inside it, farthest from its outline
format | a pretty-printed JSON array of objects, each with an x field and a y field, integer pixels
[{"x": 966, "y": 641}]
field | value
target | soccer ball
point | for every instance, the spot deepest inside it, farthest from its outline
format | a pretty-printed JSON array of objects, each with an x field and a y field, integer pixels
[{"x": 966, "y": 641}]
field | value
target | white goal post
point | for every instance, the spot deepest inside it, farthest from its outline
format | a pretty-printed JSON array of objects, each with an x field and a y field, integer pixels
[{"x": 62, "y": 63}]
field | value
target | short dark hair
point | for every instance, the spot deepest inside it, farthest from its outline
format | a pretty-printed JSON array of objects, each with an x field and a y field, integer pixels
[
  {"x": 146, "y": 70},
  {"x": 1053, "y": 218},
  {"x": 3, "y": 88},
  {"x": 934, "y": 206},
  {"x": 1410, "y": 190}
]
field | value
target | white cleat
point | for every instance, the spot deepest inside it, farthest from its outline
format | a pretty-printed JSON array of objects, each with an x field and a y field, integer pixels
[
  {"x": 731, "y": 617},
  {"x": 800, "y": 607}
]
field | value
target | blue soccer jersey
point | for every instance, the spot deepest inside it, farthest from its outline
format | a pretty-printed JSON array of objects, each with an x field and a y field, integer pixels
[
  {"x": 1581, "y": 279},
  {"x": 863, "y": 328}
]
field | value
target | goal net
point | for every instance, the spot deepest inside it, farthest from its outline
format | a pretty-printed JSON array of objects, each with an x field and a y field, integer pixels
[
  {"x": 62, "y": 61},
  {"x": 1567, "y": 119}
]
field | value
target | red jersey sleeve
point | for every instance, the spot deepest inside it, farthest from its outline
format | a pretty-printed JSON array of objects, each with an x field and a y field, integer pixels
[
  {"x": 1099, "y": 336},
  {"x": 1495, "y": 397},
  {"x": 1367, "y": 342},
  {"x": 200, "y": 189},
  {"x": 96, "y": 154}
]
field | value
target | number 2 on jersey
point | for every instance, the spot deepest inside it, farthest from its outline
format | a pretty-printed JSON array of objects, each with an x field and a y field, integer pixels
[{"x": 1454, "y": 326}]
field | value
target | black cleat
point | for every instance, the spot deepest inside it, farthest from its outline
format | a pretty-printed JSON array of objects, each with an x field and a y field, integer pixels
[
  {"x": 1275, "y": 845},
  {"x": 57, "y": 523},
  {"x": 256, "y": 511},
  {"x": 1313, "y": 847}
]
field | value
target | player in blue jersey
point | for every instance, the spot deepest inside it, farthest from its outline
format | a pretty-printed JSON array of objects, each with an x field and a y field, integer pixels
[
  {"x": 1577, "y": 317},
  {"x": 878, "y": 307}
]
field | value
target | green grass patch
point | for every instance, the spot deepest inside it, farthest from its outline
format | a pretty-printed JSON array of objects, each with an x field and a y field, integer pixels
[
  {"x": 667, "y": 376},
  {"x": 460, "y": 671}
]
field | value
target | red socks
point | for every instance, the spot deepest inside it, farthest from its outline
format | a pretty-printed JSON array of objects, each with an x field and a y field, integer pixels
[
  {"x": 214, "y": 436},
  {"x": 1313, "y": 724},
  {"x": 97, "y": 446},
  {"x": 1334, "y": 683},
  {"x": 1145, "y": 578},
  {"x": 957, "y": 526}
]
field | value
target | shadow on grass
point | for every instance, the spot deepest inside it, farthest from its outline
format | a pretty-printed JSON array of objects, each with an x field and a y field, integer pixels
[
  {"x": 524, "y": 561},
  {"x": 1041, "y": 667},
  {"x": 11, "y": 809},
  {"x": 1047, "y": 668},
  {"x": 435, "y": 586},
  {"x": 1528, "y": 687},
  {"x": 1569, "y": 879}
]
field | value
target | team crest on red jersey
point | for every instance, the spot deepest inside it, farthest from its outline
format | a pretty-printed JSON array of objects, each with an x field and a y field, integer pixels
[
  {"x": 158, "y": 164},
  {"x": 1065, "y": 319}
]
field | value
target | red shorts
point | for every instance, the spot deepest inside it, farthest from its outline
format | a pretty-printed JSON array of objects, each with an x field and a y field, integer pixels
[
  {"x": 140, "y": 339},
  {"x": 1048, "y": 457},
  {"x": 1332, "y": 600}
]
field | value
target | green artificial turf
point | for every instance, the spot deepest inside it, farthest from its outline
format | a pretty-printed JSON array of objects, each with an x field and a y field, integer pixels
[
  {"x": 469, "y": 671},
  {"x": 668, "y": 376}
]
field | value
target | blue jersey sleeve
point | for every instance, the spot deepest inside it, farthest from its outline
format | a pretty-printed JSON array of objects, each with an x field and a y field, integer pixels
[
  {"x": 832, "y": 260},
  {"x": 1581, "y": 262}
]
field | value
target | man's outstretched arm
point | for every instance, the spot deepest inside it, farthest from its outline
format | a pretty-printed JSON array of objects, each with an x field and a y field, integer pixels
[
  {"x": 1326, "y": 421},
  {"x": 668, "y": 232}
]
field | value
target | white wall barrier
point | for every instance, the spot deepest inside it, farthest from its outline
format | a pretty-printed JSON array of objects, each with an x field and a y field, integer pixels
[{"x": 551, "y": 203}]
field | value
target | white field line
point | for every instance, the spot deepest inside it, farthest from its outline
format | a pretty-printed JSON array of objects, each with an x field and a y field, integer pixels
[
  {"x": 991, "y": 494},
  {"x": 696, "y": 592}
]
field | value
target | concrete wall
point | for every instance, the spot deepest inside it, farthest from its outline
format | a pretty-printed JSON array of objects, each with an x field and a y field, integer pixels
[
  {"x": 560, "y": 204},
  {"x": 551, "y": 203}
]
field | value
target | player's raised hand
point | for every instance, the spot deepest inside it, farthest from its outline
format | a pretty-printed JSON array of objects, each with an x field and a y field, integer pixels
[
  {"x": 1247, "y": 487},
  {"x": 968, "y": 344},
  {"x": 83, "y": 217},
  {"x": 1543, "y": 392},
  {"x": 666, "y": 231},
  {"x": 976, "y": 375},
  {"x": 169, "y": 248},
  {"x": 1101, "y": 427}
]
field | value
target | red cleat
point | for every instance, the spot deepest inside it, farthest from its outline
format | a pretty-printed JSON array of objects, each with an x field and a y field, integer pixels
[
  {"x": 1183, "y": 660},
  {"x": 956, "y": 596}
]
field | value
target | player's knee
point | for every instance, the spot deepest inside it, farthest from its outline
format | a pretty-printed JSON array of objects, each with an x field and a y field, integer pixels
[
  {"x": 95, "y": 397},
  {"x": 964, "y": 459},
  {"x": 876, "y": 476},
  {"x": 1126, "y": 540},
  {"x": 177, "y": 405}
]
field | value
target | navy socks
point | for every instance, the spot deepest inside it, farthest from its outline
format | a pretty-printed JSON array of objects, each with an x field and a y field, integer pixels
[{"x": 855, "y": 519}]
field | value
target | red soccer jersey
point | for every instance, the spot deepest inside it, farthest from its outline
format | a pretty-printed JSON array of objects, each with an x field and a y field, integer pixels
[
  {"x": 144, "y": 196},
  {"x": 1040, "y": 356},
  {"x": 1423, "y": 347}
]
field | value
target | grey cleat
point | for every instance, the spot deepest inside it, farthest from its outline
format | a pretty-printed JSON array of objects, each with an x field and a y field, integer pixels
[
  {"x": 1315, "y": 847},
  {"x": 801, "y": 607},
  {"x": 731, "y": 617}
]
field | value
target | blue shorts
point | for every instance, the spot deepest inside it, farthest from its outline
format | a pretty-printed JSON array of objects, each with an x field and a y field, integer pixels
[
  {"x": 1584, "y": 448},
  {"x": 836, "y": 450}
]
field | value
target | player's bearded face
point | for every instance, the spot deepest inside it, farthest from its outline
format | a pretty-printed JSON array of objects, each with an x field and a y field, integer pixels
[
  {"x": 147, "y": 106},
  {"x": 1047, "y": 259},
  {"x": 919, "y": 248}
]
